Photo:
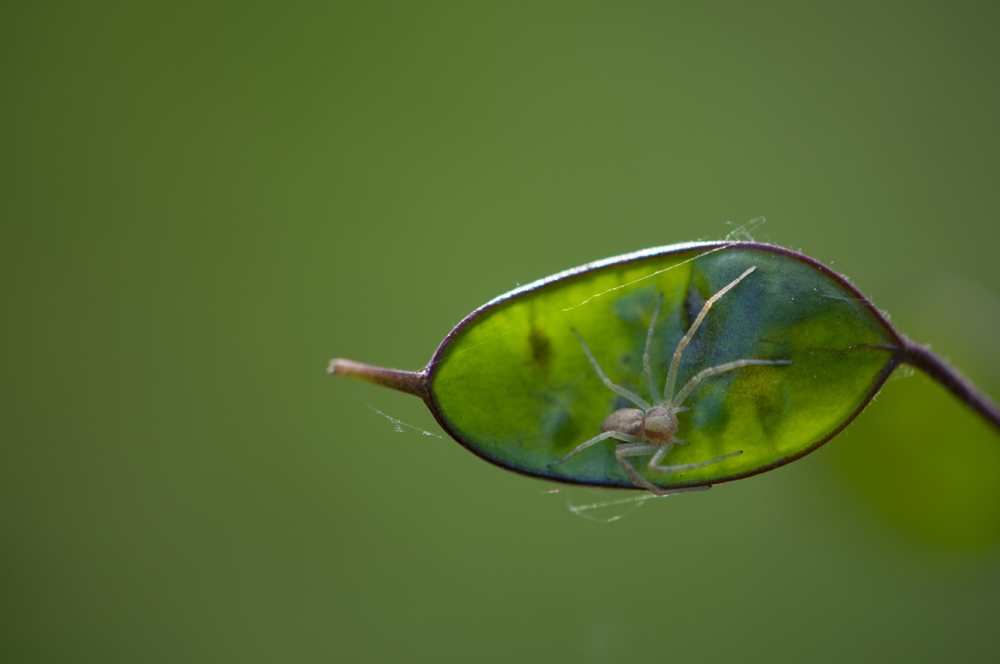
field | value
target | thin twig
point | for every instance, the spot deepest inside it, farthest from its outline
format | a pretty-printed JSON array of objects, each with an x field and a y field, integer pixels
[{"x": 948, "y": 377}]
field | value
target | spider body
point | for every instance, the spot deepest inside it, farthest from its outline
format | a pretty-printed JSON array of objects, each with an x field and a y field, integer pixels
[
  {"x": 658, "y": 425},
  {"x": 651, "y": 429}
]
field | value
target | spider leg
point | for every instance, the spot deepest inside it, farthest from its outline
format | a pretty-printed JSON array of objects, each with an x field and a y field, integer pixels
[
  {"x": 660, "y": 453},
  {"x": 714, "y": 371},
  {"x": 685, "y": 466},
  {"x": 596, "y": 439},
  {"x": 634, "y": 398},
  {"x": 668, "y": 389},
  {"x": 639, "y": 449},
  {"x": 653, "y": 394},
  {"x": 636, "y": 449}
]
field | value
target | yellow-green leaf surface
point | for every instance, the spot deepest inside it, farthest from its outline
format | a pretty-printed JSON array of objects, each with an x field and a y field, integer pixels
[{"x": 513, "y": 384}]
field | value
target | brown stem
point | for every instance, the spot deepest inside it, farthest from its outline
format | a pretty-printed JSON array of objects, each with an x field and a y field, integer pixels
[
  {"x": 948, "y": 377},
  {"x": 411, "y": 382}
]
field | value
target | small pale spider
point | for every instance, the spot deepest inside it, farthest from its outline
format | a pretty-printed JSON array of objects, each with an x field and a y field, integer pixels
[{"x": 651, "y": 429}]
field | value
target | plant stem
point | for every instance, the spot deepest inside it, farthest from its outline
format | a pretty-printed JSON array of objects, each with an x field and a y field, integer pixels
[
  {"x": 948, "y": 377},
  {"x": 411, "y": 382}
]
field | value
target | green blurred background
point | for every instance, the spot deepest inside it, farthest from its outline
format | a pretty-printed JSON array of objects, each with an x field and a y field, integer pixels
[{"x": 201, "y": 203}]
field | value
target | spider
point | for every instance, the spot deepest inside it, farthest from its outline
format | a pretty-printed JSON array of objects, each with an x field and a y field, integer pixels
[{"x": 652, "y": 429}]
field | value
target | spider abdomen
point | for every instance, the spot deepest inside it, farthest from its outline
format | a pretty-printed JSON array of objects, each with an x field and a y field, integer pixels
[{"x": 625, "y": 420}]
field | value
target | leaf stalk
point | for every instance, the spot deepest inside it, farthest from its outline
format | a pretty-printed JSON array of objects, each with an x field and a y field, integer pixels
[
  {"x": 411, "y": 382},
  {"x": 949, "y": 378}
]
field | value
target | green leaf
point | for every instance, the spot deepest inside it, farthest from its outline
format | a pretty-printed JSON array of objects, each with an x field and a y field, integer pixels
[{"x": 513, "y": 384}]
